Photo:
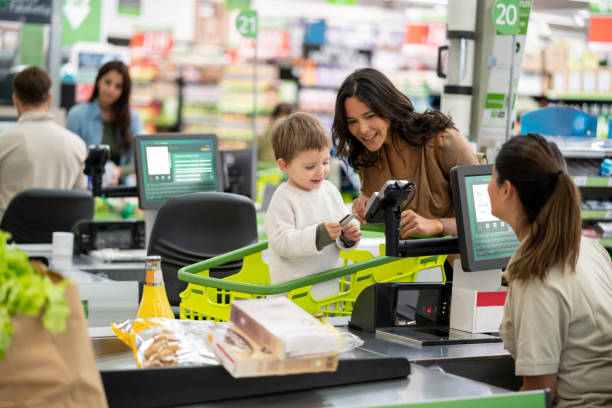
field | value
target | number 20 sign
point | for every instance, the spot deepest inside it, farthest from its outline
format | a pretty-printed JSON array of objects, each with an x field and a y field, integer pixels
[
  {"x": 246, "y": 23},
  {"x": 506, "y": 16}
]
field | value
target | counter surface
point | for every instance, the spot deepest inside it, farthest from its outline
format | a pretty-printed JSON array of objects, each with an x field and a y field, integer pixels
[
  {"x": 426, "y": 382},
  {"x": 423, "y": 384}
]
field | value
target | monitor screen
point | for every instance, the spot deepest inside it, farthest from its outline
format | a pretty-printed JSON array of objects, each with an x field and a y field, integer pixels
[
  {"x": 172, "y": 164},
  {"x": 419, "y": 304},
  {"x": 485, "y": 241},
  {"x": 237, "y": 165},
  {"x": 5, "y": 124}
]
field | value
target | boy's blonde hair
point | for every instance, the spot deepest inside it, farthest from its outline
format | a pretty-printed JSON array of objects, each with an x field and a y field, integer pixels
[{"x": 298, "y": 132}]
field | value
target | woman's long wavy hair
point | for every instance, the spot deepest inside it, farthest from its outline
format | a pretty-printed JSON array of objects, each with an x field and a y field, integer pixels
[
  {"x": 551, "y": 202},
  {"x": 121, "y": 109},
  {"x": 377, "y": 92}
]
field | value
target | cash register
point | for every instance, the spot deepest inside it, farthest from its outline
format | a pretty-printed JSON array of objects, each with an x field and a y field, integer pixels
[{"x": 438, "y": 313}]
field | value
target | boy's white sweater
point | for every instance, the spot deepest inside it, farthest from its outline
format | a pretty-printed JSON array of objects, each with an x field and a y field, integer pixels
[{"x": 291, "y": 224}]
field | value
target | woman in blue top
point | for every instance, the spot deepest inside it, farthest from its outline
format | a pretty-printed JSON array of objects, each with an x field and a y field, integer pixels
[{"x": 107, "y": 118}]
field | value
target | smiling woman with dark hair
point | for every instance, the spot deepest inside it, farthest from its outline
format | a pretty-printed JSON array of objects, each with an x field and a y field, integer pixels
[
  {"x": 557, "y": 320},
  {"x": 382, "y": 137},
  {"x": 107, "y": 118}
]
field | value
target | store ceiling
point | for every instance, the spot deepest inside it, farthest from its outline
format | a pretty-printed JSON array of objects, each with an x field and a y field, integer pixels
[
  {"x": 564, "y": 15},
  {"x": 546, "y": 5}
]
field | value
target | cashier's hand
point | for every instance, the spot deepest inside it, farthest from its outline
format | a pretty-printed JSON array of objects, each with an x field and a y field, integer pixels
[
  {"x": 359, "y": 207},
  {"x": 112, "y": 172},
  {"x": 351, "y": 232},
  {"x": 333, "y": 229},
  {"x": 413, "y": 223}
]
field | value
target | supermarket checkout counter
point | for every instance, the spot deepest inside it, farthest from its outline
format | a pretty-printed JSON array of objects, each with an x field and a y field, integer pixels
[
  {"x": 456, "y": 373},
  {"x": 436, "y": 373},
  {"x": 357, "y": 383},
  {"x": 370, "y": 375},
  {"x": 109, "y": 291},
  {"x": 118, "y": 271}
]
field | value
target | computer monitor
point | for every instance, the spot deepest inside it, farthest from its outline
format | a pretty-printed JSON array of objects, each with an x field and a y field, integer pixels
[
  {"x": 7, "y": 122},
  {"x": 238, "y": 171},
  {"x": 485, "y": 241},
  {"x": 168, "y": 165}
]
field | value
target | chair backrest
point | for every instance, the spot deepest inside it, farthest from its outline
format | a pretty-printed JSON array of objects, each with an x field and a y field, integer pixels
[
  {"x": 558, "y": 121},
  {"x": 33, "y": 215},
  {"x": 195, "y": 227}
]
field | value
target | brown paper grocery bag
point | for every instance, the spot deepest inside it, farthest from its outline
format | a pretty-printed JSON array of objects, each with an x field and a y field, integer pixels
[{"x": 42, "y": 369}]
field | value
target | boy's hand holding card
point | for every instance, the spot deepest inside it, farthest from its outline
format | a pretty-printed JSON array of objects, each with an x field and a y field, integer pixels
[{"x": 350, "y": 230}]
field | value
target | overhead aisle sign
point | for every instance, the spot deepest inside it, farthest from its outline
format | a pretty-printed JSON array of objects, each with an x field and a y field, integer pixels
[
  {"x": 247, "y": 24},
  {"x": 510, "y": 19},
  {"x": 81, "y": 21},
  {"x": 26, "y": 11},
  {"x": 506, "y": 16}
]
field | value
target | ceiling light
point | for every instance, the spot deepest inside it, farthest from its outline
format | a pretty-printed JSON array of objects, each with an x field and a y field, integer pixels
[
  {"x": 584, "y": 14},
  {"x": 426, "y": 2}
]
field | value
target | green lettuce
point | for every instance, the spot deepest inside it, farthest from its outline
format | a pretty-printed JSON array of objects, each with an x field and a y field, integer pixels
[{"x": 24, "y": 290}]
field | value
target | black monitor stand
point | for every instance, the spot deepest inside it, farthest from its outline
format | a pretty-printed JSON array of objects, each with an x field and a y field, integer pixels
[
  {"x": 94, "y": 167},
  {"x": 385, "y": 206},
  {"x": 378, "y": 309}
]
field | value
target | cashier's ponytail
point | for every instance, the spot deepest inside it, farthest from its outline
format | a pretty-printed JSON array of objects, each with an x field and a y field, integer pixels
[{"x": 551, "y": 202}]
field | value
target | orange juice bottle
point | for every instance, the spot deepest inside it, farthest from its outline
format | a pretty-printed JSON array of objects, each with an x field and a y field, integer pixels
[{"x": 154, "y": 302}]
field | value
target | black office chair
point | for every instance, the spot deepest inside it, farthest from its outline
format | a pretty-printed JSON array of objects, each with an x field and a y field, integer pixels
[
  {"x": 198, "y": 226},
  {"x": 33, "y": 215}
]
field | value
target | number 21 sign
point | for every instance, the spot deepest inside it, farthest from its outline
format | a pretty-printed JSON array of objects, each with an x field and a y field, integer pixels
[{"x": 246, "y": 23}]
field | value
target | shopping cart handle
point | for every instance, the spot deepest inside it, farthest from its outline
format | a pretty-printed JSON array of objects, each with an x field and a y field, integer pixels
[{"x": 189, "y": 274}]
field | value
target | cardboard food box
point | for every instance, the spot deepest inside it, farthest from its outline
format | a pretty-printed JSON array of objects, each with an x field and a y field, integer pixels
[
  {"x": 574, "y": 80},
  {"x": 546, "y": 83},
  {"x": 283, "y": 327},
  {"x": 555, "y": 59},
  {"x": 242, "y": 356},
  {"x": 604, "y": 228},
  {"x": 532, "y": 62},
  {"x": 604, "y": 80},
  {"x": 559, "y": 81},
  {"x": 589, "y": 80}
]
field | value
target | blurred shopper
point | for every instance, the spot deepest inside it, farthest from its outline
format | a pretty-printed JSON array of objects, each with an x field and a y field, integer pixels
[
  {"x": 37, "y": 152},
  {"x": 265, "y": 152},
  {"x": 107, "y": 118},
  {"x": 377, "y": 130},
  {"x": 557, "y": 320}
]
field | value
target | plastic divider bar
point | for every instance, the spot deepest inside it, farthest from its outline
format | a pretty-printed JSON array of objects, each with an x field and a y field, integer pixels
[{"x": 189, "y": 273}]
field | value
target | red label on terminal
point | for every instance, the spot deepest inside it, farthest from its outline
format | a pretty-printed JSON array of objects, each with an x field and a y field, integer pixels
[{"x": 490, "y": 299}]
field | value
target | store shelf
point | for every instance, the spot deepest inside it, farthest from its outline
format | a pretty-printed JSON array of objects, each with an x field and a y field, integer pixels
[
  {"x": 580, "y": 96},
  {"x": 593, "y": 215},
  {"x": 592, "y": 181},
  {"x": 605, "y": 242}
]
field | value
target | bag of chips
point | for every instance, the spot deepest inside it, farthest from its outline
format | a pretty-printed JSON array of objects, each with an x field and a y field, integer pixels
[{"x": 158, "y": 342}]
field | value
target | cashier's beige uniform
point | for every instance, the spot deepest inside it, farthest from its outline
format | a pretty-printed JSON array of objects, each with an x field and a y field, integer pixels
[{"x": 564, "y": 325}]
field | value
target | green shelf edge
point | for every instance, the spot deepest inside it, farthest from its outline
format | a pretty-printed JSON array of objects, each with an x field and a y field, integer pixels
[{"x": 580, "y": 96}]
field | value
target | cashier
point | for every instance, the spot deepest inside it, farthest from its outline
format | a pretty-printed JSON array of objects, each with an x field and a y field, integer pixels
[
  {"x": 107, "y": 118},
  {"x": 557, "y": 321}
]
